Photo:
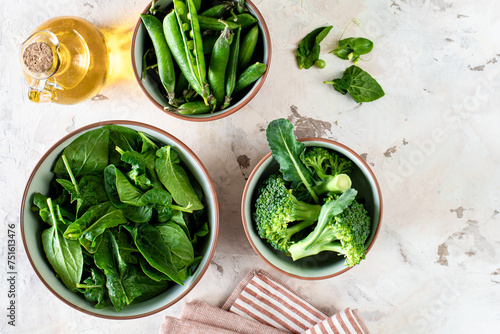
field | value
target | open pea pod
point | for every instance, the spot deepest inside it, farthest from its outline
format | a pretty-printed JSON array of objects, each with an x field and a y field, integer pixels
[{"x": 185, "y": 42}]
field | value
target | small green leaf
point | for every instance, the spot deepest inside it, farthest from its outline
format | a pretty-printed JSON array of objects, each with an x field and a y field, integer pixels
[
  {"x": 359, "y": 84},
  {"x": 309, "y": 48}
]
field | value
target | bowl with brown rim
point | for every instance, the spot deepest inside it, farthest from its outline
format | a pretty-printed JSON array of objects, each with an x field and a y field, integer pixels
[
  {"x": 326, "y": 264},
  {"x": 155, "y": 92},
  {"x": 32, "y": 226}
]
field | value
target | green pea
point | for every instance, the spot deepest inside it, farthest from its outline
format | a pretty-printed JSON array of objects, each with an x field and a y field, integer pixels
[{"x": 320, "y": 63}]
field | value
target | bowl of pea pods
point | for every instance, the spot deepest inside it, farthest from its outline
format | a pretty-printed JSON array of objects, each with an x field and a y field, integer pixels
[{"x": 201, "y": 60}]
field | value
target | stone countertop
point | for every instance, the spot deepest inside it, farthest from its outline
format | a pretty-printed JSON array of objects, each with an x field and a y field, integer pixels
[{"x": 432, "y": 142}]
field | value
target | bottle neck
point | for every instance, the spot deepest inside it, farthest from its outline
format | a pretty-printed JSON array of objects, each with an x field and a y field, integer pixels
[{"x": 40, "y": 60}]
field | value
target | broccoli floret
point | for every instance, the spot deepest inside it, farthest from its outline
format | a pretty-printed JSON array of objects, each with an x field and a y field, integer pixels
[
  {"x": 343, "y": 232},
  {"x": 331, "y": 171},
  {"x": 276, "y": 208}
]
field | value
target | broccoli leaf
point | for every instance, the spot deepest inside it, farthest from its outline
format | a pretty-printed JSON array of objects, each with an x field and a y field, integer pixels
[
  {"x": 286, "y": 149},
  {"x": 308, "y": 51}
]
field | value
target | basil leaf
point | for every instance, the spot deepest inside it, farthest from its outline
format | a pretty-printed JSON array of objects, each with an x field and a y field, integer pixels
[
  {"x": 308, "y": 51},
  {"x": 173, "y": 176},
  {"x": 359, "y": 84},
  {"x": 64, "y": 255},
  {"x": 286, "y": 150}
]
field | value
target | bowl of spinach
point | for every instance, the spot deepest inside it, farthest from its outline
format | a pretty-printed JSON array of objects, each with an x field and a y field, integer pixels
[
  {"x": 312, "y": 207},
  {"x": 120, "y": 219}
]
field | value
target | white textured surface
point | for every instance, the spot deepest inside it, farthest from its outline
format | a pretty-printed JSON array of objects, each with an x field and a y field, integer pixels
[{"x": 432, "y": 141}]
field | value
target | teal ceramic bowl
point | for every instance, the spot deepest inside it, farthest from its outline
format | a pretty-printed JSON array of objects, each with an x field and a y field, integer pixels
[
  {"x": 32, "y": 227},
  {"x": 151, "y": 87},
  {"x": 325, "y": 264}
]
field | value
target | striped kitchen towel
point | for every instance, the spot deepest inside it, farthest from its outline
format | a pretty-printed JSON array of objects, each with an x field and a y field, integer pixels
[{"x": 265, "y": 299}]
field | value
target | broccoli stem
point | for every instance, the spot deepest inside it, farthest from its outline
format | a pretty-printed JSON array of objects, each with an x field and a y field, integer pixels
[
  {"x": 305, "y": 211},
  {"x": 335, "y": 184},
  {"x": 299, "y": 253},
  {"x": 328, "y": 211},
  {"x": 298, "y": 227}
]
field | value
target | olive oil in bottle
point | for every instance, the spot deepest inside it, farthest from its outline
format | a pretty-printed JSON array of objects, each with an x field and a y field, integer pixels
[{"x": 65, "y": 61}]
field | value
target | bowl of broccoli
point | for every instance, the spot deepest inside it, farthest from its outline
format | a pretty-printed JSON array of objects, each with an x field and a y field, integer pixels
[{"x": 312, "y": 207}]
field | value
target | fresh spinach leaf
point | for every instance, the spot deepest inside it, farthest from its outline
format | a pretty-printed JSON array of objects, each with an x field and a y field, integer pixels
[
  {"x": 173, "y": 176},
  {"x": 110, "y": 186},
  {"x": 137, "y": 214},
  {"x": 352, "y": 48},
  {"x": 126, "y": 246},
  {"x": 201, "y": 232},
  {"x": 87, "y": 154},
  {"x": 120, "y": 276},
  {"x": 178, "y": 242},
  {"x": 125, "y": 138},
  {"x": 89, "y": 191},
  {"x": 151, "y": 245},
  {"x": 90, "y": 237},
  {"x": 65, "y": 256},
  {"x": 40, "y": 205},
  {"x": 286, "y": 150},
  {"x": 152, "y": 272},
  {"x": 161, "y": 200},
  {"x": 75, "y": 229},
  {"x": 94, "y": 288},
  {"x": 359, "y": 84},
  {"x": 127, "y": 193},
  {"x": 147, "y": 143},
  {"x": 309, "y": 48},
  {"x": 178, "y": 218},
  {"x": 147, "y": 286}
]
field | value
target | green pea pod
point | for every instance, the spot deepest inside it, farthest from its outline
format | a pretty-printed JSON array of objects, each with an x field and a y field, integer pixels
[
  {"x": 198, "y": 44},
  {"x": 182, "y": 10},
  {"x": 175, "y": 41},
  {"x": 181, "y": 85},
  {"x": 197, "y": 4},
  {"x": 218, "y": 64},
  {"x": 191, "y": 59},
  {"x": 240, "y": 6},
  {"x": 191, "y": 108},
  {"x": 166, "y": 69},
  {"x": 232, "y": 69},
  {"x": 244, "y": 20},
  {"x": 215, "y": 11},
  {"x": 208, "y": 43},
  {"x": 247, "y": 47},
  {"x": 211, "y": 23},
  {"x": 250, "y": 75}
]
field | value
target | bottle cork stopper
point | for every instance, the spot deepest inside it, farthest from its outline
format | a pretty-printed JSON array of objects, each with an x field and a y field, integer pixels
[{"x": 38, "y": 57}]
